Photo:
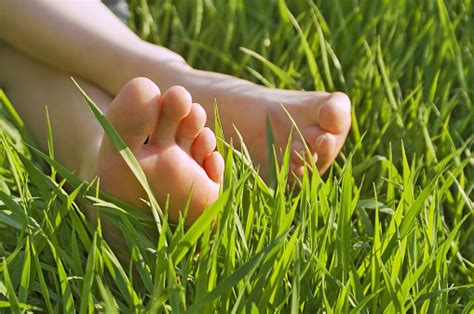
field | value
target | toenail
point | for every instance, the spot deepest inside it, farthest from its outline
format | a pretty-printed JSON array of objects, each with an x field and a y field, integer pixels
[
  {"x": 318, "y": 111},
  {"x": 320, "y": 141}
]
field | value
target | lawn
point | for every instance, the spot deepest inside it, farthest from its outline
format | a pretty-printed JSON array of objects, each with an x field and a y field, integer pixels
[{"x": 390, "y": 227}]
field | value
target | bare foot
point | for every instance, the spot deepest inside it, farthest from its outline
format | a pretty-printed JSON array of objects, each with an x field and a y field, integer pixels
[
  {"x": 323, "y": 118},
  {"x": 178, "y": 156}
]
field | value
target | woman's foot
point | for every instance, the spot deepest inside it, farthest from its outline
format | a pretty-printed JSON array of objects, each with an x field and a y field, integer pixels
[
  {"x": 323, "y": 120},
  {"x": 168, "y": 138}
]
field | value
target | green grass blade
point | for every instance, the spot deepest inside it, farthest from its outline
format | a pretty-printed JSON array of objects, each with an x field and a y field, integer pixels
[
  {"x": 245, "y": 270},
  {"x": 126, "y": 153}
]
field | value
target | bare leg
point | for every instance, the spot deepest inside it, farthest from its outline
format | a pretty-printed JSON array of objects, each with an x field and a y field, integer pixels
[
  {"x": 32, "y": 87},
  {"x": 84, "y": 38},
  {"x": 179, "y": 154}
]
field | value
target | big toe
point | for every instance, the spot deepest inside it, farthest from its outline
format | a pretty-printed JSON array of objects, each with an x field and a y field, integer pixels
[
  {"x": 134, "y": 111},
  {"x": 334, "y": 114}
]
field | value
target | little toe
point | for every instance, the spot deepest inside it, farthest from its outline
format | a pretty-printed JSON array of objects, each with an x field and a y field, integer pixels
[
  {"x": 203, "y": 145},
  {"x": 175, "y": 105},
  {"x": 297, "y": 170},
  {"x": 213, "y": 164},
  {"x": 190, "y": 127},
  {"x": 134, "y": 111},
  {"x": 334, "y": 114}
]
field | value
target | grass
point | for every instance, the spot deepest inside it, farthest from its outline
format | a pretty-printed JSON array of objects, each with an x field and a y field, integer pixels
[{"x": 389, "y": 228}]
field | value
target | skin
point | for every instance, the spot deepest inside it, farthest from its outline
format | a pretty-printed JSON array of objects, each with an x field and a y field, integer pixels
[
  {"x": 179, "y": 155},
  {"x": 45, "y": 42}
]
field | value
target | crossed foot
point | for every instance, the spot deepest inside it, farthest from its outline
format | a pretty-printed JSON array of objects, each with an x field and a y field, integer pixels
[{"x": 167, "y": 134}]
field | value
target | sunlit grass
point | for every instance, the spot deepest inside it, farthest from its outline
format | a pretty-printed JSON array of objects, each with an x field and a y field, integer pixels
[{"x": 390, "y": 227}]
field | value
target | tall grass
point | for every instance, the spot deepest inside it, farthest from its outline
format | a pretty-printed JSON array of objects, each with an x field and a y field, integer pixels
[{"x": 389, "y": 228}]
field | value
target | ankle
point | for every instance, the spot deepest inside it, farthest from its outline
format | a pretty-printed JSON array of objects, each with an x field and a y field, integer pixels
[
  {"x": 143, "y": 59},
  {"x": 159, "y": 54},
  {"x": 163, "y": 66}
]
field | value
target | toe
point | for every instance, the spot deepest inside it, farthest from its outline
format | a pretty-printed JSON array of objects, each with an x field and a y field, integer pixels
[
  {"x": 297, "y": 153},
  {"x": 190, "y": 127},
  {"x": 175, "y": 105},
  {"x": 213, "y": 164},
  {"x": 298, "y": 170},
  {"x": 334, "y": 114},
  {"x": 134, "y": 111},
  {"x": 327, "y": 151},
  {"x": 312, "y": 136},
  {"x": 203, "y": 145},
  {"x": 325, "y": 145}
]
